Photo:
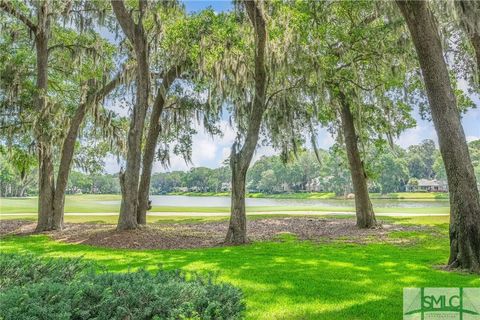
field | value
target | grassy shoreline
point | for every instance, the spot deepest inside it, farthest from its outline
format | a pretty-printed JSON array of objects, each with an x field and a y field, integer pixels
[{"x": 322, "y": 195}]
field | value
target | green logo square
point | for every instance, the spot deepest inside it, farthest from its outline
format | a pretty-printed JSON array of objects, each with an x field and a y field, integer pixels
[{"x": 441, "y": 303}]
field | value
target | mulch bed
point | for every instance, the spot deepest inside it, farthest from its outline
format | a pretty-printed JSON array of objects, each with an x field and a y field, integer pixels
[
  {"x": 16, "y": 227},
  {"x": 212, "y": 234}
]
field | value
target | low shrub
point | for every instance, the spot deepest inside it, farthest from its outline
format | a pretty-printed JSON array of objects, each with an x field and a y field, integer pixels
[
  {"x": 126, "y": 296},
  {"x": 23, "y": 269}
]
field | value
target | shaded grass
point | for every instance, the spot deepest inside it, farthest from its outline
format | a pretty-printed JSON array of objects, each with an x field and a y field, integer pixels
[{"x": 295, "y": 279}]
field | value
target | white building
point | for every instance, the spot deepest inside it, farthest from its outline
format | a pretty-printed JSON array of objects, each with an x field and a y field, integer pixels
[{"x": 429, "y": 186}]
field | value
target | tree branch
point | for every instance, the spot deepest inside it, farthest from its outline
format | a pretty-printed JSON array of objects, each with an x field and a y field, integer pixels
[
  {"x": 15, "y": 125},
  {"x": 168, "y": 77},
  {"x": 281, "y": 90},
  {"x": 70, "y": 47},
  {"x": 110, "y": 86},
  {"x": 362, "y": 87},
  {"x": 7, "y": 7},
  {"x": 124, "y": 19}
]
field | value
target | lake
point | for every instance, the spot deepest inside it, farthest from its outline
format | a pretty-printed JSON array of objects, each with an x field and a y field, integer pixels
[{"x": 193, "y": 201}]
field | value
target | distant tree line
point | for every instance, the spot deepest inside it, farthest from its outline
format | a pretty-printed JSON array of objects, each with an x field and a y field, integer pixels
[{"x": 389, "y": 170}]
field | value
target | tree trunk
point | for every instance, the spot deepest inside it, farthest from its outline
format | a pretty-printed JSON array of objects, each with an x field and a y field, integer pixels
[
  {"x": 64, "y": 168},
  {"x": 46, "y": 187},
  {"x": 240, "y": 160},
  {"x": 237, "y": 230},
  {"x": 363, "y": 205},
  {"x": 46, "y": 184},
  {"x": 21, "y": 192},
  {"x": 130, "y": 178},
  {"x": 464, "y": 196},
  {"x": 151, "y": 144},
  {"x": 128, "y": 209},
  {"x": 68, "y": 148},
  {"x": 475, "y": 40}
]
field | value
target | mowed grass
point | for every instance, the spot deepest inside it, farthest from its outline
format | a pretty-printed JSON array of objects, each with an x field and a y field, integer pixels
[
  {"x": 90, "y": 204},
  {"x": 106, "y": 204},
  {"x": 291, "y": 279},
  {"x": 324, "y": 195},
  {"x": 299, "y": 195}
]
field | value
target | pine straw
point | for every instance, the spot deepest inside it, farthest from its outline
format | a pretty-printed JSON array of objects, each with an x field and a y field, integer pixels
[{"x": 211, "y": 234}]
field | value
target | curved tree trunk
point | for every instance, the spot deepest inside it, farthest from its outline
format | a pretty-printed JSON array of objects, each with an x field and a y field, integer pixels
[
  {"x": 151, "y": 144},
  {"x": 64, "y": 168},
  {"x": 464, "y": 196},
  {"x": 68, "y": 147},
  {"x": 240, "y": 160},
  {"x": 363, "y": 205},
  {"x": 130, "y": 178}
]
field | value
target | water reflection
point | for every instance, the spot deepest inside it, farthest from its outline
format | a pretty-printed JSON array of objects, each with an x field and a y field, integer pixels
[{"x": 188, "y": 201}]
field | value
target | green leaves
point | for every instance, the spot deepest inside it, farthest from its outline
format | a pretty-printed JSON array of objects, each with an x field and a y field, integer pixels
[{"x": 34, "y": 288}]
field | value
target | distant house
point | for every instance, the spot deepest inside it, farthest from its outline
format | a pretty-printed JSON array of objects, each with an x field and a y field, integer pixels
[
  {"x": 318, "y": 184},
  {"x": 284, "y": 187},
  {"x": 180, "y": 189},
  {"x": 428, "y": 186},
  {"x": 314, "y": 185},
  {"x": 226, "y": 186}
]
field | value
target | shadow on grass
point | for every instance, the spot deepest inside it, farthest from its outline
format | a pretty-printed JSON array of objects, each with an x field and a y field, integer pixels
[{"x": 291, "y": 279}]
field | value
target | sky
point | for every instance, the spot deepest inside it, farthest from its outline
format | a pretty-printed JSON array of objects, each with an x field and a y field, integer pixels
[
  {"x": 212, "y": 151},
  {"x": 198, "y": 5}
]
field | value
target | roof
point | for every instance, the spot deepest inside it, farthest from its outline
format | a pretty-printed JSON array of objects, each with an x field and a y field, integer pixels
[{"x": 430, "y": 183}]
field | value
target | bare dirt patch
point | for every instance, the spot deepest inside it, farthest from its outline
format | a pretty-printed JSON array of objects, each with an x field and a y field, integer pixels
[{"x": 211, "y": 234}]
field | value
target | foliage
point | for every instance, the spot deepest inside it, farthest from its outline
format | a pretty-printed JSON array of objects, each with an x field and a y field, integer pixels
[
  {"x": 421, "y": 159},
  {"x": 18, "y": 172},
  {"x": 20, "y": 270},
  {"x": 80, "y": 182},
  {"x": 47, "y": 294},
  {"x": 391, "y": 172},
  {"x": 356, "y": 49},
  {"x": 474, "y": 147},
  {"x": 80, "y": 60}
]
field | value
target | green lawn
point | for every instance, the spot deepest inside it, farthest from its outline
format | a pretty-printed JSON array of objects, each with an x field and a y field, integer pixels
[
  {"x": 89, "y": 204},
  {"x": 299, "y": 195},
  {"x": 295, "y": 279}
]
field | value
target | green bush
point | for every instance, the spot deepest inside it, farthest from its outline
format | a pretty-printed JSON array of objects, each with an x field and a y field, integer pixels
[
  {"x": 132, "y": 295},
  {"x": 23, "y": 269}
]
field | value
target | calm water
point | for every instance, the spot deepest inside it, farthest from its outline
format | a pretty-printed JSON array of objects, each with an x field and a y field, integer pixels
[{"x": 189, "y": 201}]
